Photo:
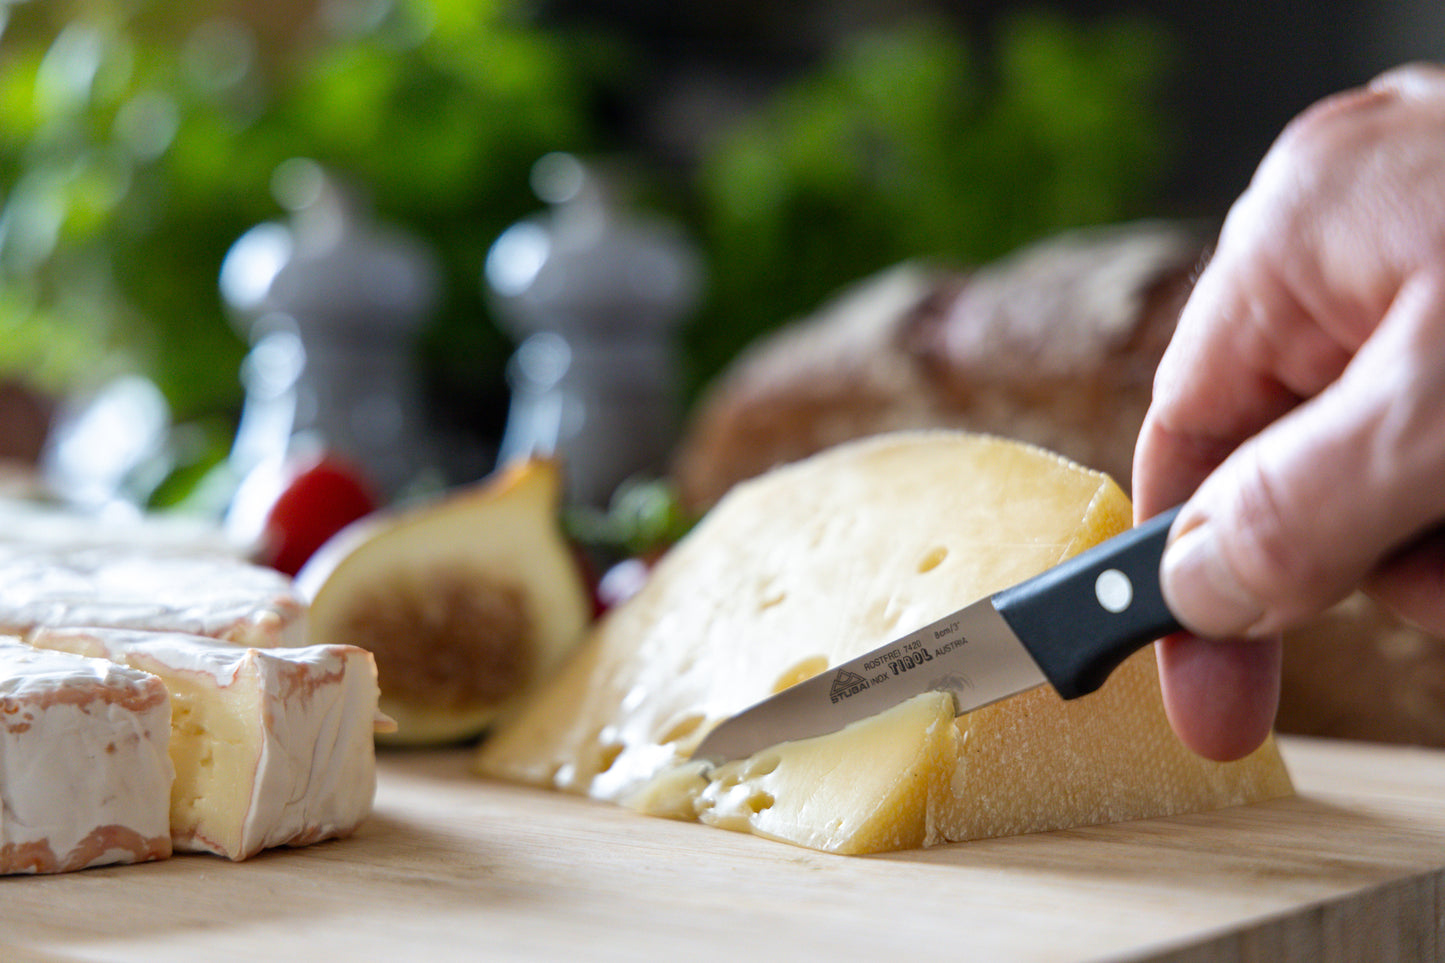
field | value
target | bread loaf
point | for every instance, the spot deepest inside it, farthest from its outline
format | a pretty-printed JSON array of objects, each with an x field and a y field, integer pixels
[{"x": 1055, "y": 346}]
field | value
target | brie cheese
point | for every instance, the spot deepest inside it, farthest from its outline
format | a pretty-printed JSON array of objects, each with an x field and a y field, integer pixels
[
  {"x": 147, "y": 587},
  {"x": 84, "y": 774},
  {"x": 271, "y": 747}
]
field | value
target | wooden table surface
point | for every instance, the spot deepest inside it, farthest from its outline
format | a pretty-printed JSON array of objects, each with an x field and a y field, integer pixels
[{"x": 454, "y": 868}]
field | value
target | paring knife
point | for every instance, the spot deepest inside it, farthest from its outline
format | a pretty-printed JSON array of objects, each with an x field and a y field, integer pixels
[{"x": 1069, "y": 626}]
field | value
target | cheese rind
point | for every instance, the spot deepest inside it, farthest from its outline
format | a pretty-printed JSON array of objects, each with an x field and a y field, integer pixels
[
  {"x": 166, "y": 589},
  {"x": 823, "y": 560},
  {"x": 271, "y": 747},
  {"x": 84, "y": 773}
]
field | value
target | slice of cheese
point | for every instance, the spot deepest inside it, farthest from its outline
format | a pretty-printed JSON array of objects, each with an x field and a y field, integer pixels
[
  {"x": 147, "y": 586},
  {"x": 909, "y": 754},
  {"x": 85, "y": 779},
  {"x": 820, "y": 561},
  {"x": 271, "y": 747}
]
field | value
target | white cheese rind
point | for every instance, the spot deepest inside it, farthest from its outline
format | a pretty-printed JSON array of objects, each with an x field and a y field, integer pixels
[
  {"x": 145, "y": 587},
  {"x": 85, "y": 778},
  {"x": 271, "y": 747},
  {"x": 42, "y": 523}
]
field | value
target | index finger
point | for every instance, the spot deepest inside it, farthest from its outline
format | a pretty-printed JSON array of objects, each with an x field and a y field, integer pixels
[{"x": 1245, "y": 352}]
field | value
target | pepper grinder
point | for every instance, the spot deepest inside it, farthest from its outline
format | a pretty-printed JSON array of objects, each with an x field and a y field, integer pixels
[
  {"x": 331, "y": 303},
  {"x": 593, "y": 294}
]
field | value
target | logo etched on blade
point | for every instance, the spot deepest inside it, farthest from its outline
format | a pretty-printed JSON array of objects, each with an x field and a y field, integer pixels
[
  {"x": 846, "y": 684},
  {"x": 953, "y": 682}
]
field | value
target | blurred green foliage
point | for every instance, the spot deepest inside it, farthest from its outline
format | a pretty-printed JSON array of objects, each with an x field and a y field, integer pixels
[
  {"x": 138, "y": 140},
  {"x": 912, "y": 143}
]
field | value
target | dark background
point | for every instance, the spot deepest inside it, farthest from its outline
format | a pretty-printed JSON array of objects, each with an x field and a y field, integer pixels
[{"x": 1242, "y": 68}]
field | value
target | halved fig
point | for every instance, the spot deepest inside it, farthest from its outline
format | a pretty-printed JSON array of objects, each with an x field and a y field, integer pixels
[{"x": 466, "y": 602}]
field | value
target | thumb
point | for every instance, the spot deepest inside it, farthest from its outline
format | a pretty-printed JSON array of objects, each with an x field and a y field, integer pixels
[{"x": 1301, "y": 513}]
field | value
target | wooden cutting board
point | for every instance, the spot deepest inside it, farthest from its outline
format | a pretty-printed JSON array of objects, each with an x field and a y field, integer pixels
[{"x": 453, "y": 868}]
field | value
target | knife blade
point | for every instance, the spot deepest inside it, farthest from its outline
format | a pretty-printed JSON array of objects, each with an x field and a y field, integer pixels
[{"x": 1069, "y": 627}]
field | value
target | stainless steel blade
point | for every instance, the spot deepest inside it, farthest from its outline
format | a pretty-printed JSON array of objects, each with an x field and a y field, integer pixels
[{"x": 971, "y": 653}]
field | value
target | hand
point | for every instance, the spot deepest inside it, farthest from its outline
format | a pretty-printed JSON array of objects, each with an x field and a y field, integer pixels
[{"x": 1300, "y": 407}]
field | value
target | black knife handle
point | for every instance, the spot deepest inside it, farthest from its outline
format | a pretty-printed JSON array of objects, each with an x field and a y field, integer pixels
[{"x": 1082, "y": 618}]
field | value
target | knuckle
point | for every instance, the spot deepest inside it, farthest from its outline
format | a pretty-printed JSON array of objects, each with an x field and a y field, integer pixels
[
  {"x": 1419, "y": 78},
  {"x": 1314, "y": 143}
]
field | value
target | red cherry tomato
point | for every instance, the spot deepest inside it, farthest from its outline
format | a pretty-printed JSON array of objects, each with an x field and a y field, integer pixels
[{"x": 318, "y": 502}]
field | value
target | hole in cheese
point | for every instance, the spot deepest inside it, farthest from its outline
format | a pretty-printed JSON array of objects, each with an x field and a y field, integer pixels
[
  {"x": 800, "y": 671},
  {"x": 758, "y": 801},
  {"x": 684, "y": 727},
  {"x": 771, "y": 595},
  {"x": 932, "y": 559},
  {"x": 607, "y": 755},
  {"x": 762, "y": 765}
]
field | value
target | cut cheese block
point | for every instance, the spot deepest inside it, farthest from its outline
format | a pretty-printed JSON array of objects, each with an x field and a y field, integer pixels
[
  {"x": 85, "y": 779},
  {"x": 271, "y": 747},
  {"x": 147, "y": 586},
  {"x": 825, "y": 559}
]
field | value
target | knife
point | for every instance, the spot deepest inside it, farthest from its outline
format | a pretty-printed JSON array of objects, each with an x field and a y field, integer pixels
[{"x": 1070, "y": 627}]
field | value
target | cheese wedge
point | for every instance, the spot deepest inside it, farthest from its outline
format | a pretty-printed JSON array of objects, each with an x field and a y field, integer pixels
[
  {"x": 270, "y": 747},
  {"x": 816, "y": 562},
  {"x": 85, "y": 779}
]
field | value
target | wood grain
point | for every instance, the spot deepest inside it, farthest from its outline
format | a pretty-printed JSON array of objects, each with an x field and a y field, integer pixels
[{"x": 453, "y": 868}]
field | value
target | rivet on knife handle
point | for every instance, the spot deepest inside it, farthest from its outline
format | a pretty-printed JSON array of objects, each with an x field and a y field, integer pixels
[{"x": 1109, "y": 594}]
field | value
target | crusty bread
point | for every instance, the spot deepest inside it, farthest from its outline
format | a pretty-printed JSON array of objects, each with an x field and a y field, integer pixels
[
  {"x": 811, "y": 564},
  {"x": 1055, "y": 345}
]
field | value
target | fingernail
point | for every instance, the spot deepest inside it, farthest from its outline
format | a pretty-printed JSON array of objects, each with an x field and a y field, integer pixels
[{"x": 1202, "y": 590}]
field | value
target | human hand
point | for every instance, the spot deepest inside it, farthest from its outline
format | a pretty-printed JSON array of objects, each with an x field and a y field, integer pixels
[{"x": 1300, "y": 407}]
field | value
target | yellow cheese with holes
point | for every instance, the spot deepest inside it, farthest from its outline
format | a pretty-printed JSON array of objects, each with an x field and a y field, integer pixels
[{"x": 819, "y": 561}]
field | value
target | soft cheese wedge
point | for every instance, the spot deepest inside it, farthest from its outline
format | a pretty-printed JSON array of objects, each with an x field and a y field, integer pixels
[
  {"x": 816, "y": 562},
  {"x": 271, "y": 747},
  {"x": 85, "y": 778},
  {"x": 146, "y": 585}
]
